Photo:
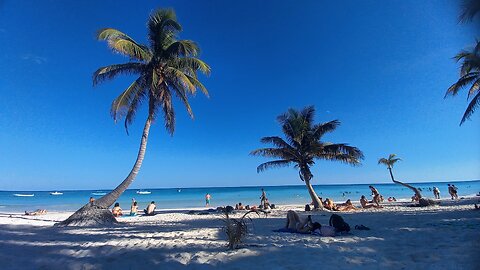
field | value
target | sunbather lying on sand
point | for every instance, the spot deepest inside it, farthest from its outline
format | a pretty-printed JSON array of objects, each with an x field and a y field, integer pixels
[
  {"x": 366, "y": 205},
  {"x": 347, "y": 206},
  {"x": 36, "y": 212},
  {"x": 301, "y": 225},
  {"x": 296, "y": 224},
  {"x": 328, "y": 204}
]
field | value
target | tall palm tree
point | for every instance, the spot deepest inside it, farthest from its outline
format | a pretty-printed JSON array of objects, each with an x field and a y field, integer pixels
[
  {"x": 303, "y": 145},
  {"x": 469, "y": 76},
  {"x": 389, "y": 162},
  {"x": 167, "y": 66}
]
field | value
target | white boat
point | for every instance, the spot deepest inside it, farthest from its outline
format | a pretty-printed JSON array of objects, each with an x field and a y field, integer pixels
[
  {"x": 23, "y": 195},
  {"x": 56, "y": 193},
  {"x": 99, "y": 193},
  {"x": 142, "y": 192}
]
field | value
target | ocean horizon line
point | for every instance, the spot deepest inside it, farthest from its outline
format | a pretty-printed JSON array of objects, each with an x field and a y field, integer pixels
[{"x": 245, "y": 186}]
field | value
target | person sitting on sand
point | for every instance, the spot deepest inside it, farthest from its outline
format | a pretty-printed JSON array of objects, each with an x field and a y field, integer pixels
[
  {"x": 36, "y": 212},
  {"x": 347, "y": 206},
  {"x": 364, "y": 203},
  {"x": 150, "y": 211},
  {"x": 116, "y": 210},
  {"x": 415, "y": 198},
  {"x": 390, "y": 199},
  {"x": 134, "y": 208},
  {"x": 240, "y": 206},
  {"x": 330, "y": 205},
  {"x": 91, "y": 200}
]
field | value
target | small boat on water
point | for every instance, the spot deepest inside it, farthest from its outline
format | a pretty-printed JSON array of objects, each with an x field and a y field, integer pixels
[
  {"x": 56, "y": 193},
  {"x": 23, "y": 195},
  {"x": 99, "y": 193},
  {"x": 143, "y": 192}
]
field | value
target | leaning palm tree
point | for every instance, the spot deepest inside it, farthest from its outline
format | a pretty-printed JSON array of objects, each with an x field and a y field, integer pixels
[
  {"x": 167, "y": 67},
  {"x": 469, "y": 76},
  {"x": 389, "y": 162},
  {"x": 303, "y": 145}
]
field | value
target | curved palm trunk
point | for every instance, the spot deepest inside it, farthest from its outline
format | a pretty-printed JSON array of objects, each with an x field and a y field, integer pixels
[
  {"x": 317, "y": 204},
  {"x": 417, "y": 192},
  {"x": 107, "y": 200},
  {"x": 97, "y": 213}
]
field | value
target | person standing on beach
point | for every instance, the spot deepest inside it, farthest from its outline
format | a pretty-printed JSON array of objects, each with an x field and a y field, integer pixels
[
  {"x": 263, "y": 199},
  {"x": 450, "y": 191},
  {"x": 455, "y": 192},
  {"x": 436, "y": 193},
  {"x": 207, "y": 199},
  {"x": 376, "y": 195}
]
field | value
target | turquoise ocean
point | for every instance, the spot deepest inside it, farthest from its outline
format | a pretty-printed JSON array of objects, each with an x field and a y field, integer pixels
[{"x": 180, "y": 198}]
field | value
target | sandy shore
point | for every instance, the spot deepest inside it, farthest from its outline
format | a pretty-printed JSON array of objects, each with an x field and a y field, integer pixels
[{"x": 401, "y": 237}]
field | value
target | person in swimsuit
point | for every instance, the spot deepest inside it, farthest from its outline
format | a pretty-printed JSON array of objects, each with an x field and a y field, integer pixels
[
  {"x": 207, "y": 199},
  {"x": 116, "y": 210},
  {"x": 134, "y": 208},
  {"x": 36, "y": 212},
  {"x": 347, "y": 206},
  {"x": 150, "y": 211},
  {"x": 364, "y": 203}
]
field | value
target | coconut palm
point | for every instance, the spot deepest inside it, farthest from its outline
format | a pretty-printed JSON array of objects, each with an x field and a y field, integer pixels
[
  {"x": 469, "y": 76},
  {"x": 166, "y": 67},
  {"x": 389, "y": 162},
  {"x": 303, "y": 145}
]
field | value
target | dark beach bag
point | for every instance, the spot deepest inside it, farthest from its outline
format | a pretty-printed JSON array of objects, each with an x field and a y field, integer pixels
[
  {"x": 307, "y": 207},
  {"x": 338, "y": 223}
]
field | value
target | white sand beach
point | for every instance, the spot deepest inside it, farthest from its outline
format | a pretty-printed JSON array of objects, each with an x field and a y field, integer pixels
[{"x": 401, "y": 237}]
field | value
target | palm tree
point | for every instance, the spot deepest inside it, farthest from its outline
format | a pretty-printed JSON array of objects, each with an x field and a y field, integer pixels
[
  {"x": 469, "y": 76},
  {"x": 303, "y": 145},
  {"x": 167, "y": 67},
  {"x": 470, "y": 66},
  {"x": 389, "y": 162}
]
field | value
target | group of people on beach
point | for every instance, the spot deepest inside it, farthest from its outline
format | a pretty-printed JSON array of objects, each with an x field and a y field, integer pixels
[{"x": 149, "y": 211}]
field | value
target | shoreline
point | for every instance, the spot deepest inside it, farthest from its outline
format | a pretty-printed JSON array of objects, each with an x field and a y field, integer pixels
[{"x": 401, "y": 237}]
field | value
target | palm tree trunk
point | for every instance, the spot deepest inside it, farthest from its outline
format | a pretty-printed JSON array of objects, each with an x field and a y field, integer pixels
[
  {"x": 110, "y": 198},
  {"x": 417, "y": 192},
  {"x": 97, "y": 213},
  {"x": 317, "y": 204}
]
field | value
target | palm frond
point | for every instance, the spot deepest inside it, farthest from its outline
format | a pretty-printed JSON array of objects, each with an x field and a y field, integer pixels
[
  {"x": 462, "y": 82},
  {"x": 474, "y": 88},
  {"x": 320, "y": 129},
  {"x": 121, "y": 104},
  {"x": 192, "y": 63},
  {"x": 277, "y": 141},
  {"x": 123, "y": 44},
  {"x": 341, "y": 152},
  {"x": 472, "y": 106},
  {"x": 183, "y": 48},
  {"x": 182, "y": 95},
  {"x": 273, "y": 164},
  {"x": 470, "y": 9},
  {"x": 282, "y": 153},
  {"x": 110, "y": 72}
]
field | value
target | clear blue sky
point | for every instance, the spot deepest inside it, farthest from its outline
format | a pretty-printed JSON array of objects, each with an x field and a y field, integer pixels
[{"x": 380, "y": 67}]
